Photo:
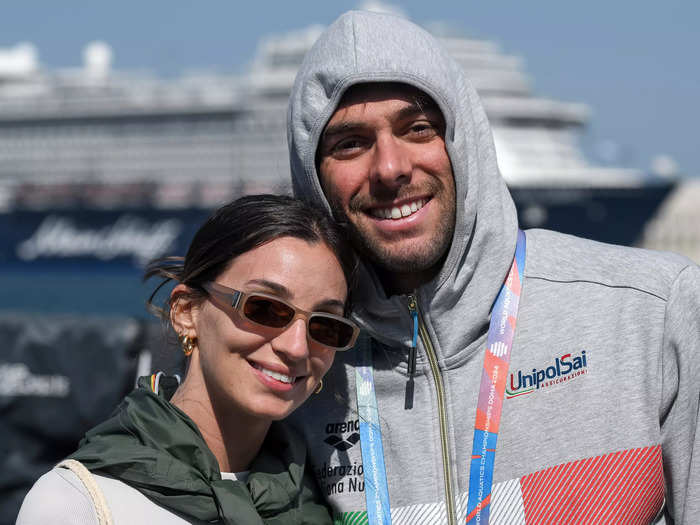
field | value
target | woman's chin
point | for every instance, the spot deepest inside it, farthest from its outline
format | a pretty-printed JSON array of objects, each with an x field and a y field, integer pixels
[{"x": 273, "y": 409}]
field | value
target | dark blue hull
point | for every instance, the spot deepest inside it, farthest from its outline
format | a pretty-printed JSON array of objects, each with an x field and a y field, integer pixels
[
  {"x": 90, "y": 261},
  {"x": 613, "y": 215}
]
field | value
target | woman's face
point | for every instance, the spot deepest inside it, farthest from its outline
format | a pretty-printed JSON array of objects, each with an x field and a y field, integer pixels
[{"x": 259, "y": 371}]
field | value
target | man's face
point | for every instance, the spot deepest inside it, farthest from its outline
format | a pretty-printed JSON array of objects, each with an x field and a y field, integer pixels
[{"x": 384, "y": 168}]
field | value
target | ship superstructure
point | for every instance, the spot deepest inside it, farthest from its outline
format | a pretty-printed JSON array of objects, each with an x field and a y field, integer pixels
[{"x": 85, "y": 146}]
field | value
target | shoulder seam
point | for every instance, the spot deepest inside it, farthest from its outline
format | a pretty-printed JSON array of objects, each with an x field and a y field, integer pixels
[
  {"x": 99, "y": 502},
  {"x": 620, "y": 286},
  {"x": 663, "y": 339},
  {"x": 70, "y": 481},
  {"x": 74, "y": 481}
]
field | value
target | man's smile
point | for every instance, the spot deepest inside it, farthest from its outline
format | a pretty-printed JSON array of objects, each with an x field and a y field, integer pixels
[{"x": 398, "y": 211}]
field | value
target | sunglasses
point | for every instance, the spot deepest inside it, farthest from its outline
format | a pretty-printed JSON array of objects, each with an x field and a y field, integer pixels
[{"x": 333, "y": 331}]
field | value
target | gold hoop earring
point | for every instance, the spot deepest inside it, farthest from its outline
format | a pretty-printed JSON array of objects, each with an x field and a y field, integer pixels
[
  {"x": 319, "y": 387},
  {"x": 188, "y": 344}
]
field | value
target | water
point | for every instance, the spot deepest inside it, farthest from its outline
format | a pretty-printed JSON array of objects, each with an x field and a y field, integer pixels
[
  {"x": 86, "y": 261},
  {"x": 84, "y": 293}
]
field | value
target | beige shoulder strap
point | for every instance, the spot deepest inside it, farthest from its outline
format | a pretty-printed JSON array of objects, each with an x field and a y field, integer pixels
[{"x": 104, "y": 516}]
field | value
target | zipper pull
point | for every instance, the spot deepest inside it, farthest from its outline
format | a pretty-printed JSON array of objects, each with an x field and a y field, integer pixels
[{"x": 413, "y": 309}]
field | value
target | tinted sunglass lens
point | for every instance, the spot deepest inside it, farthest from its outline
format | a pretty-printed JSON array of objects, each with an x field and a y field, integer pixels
[
  {"x": 268, "y": 312},
  {"x": 329, "y": 331}
]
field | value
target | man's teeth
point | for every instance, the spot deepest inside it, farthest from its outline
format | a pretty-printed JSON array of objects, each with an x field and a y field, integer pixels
[
  {"x": 398, "y": 212},
  {"x": 275, "y": 375}
]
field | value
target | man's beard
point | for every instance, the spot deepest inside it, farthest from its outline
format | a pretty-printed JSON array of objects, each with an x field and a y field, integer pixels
[
  {"x": 412, "y": 257},
  {"x": 406, "y": 259}
]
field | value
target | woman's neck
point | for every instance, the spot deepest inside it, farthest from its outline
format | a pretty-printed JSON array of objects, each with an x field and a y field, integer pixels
[{"x": 234, "y": 439}]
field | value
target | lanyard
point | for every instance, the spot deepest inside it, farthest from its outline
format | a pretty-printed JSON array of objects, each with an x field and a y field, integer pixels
[
  {"x": 493, "y": 383},
  {"x": 376, "y": 489},
  {"x": 488, "y": 409}
]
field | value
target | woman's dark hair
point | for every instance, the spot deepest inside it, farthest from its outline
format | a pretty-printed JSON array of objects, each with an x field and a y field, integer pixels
[{"x": 245, "y": 224}]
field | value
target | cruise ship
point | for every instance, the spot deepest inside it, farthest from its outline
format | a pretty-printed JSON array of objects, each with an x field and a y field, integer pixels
[{"x": 102, "y": 170}]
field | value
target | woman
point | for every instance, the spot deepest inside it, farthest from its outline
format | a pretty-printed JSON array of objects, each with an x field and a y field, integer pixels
[{"x": 258, "y": 308}]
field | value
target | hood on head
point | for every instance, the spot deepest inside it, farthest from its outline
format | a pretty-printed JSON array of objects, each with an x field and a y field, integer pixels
[{"x": 364, "y": 47}]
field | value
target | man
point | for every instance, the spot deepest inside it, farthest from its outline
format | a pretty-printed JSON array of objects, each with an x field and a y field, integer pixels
[{"x": 594, "y": 416}]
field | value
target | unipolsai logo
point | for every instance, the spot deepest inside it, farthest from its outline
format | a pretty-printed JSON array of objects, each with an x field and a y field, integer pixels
[{"x": 562, "y": 370}]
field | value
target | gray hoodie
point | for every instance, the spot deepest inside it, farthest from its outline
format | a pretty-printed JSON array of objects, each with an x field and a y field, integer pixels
[{"x": 601, "y": 405}]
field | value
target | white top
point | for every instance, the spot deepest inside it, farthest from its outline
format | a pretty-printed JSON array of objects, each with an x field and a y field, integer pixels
[
  {"x": 60, "y": 498},
  {"x": 236, "y": 476}
]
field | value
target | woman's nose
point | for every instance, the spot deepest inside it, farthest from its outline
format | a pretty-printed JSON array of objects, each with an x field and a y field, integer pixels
[{"x": 292, "y": 341}]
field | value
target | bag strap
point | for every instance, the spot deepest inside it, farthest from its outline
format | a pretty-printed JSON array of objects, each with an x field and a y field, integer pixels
[{"x": 104, "y": 516}]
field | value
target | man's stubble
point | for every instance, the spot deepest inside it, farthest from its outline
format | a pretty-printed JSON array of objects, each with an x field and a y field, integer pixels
[{"x": 419, "y": 256}]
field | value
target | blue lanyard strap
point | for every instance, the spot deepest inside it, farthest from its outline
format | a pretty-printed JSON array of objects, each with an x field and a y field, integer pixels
[{"x": 376, "y": 488}]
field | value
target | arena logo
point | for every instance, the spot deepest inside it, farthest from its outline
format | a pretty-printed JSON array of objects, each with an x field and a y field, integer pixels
[
  {"x": 564, "y": 368},
  {"x": 336, "y": 431}
]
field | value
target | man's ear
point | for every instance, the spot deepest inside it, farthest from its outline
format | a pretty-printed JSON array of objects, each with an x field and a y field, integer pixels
[{"x": 183, "y": 311}]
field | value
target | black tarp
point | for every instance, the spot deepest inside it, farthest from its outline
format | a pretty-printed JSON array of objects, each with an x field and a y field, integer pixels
[{"x": 60, "y": 376}]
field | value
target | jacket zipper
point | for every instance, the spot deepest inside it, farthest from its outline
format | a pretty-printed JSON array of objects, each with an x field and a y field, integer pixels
[{"x": 432, "y": 360}]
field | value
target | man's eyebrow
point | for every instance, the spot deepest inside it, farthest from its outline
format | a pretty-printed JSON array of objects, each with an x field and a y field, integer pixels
[
  {"x": 341, "y": 127},
  {"x": 414, "y": 109}
]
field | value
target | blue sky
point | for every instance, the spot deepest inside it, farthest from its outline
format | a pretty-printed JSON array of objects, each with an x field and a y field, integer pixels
[{"x": 633, "y": 63}]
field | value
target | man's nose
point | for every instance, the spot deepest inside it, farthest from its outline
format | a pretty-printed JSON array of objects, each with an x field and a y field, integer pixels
[
  {"x": 391, "y": 164},
  {"x": 292, "y": 341}
]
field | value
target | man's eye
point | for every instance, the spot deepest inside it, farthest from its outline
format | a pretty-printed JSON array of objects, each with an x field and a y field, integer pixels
[
  {"x": 422, "y": 129},
  {"x": 347, "y": 146}
]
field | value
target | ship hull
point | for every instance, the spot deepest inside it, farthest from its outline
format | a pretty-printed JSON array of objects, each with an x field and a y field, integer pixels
[
  {"x": 614, "y": 215},
  {"x": 88, "y": 260}
]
